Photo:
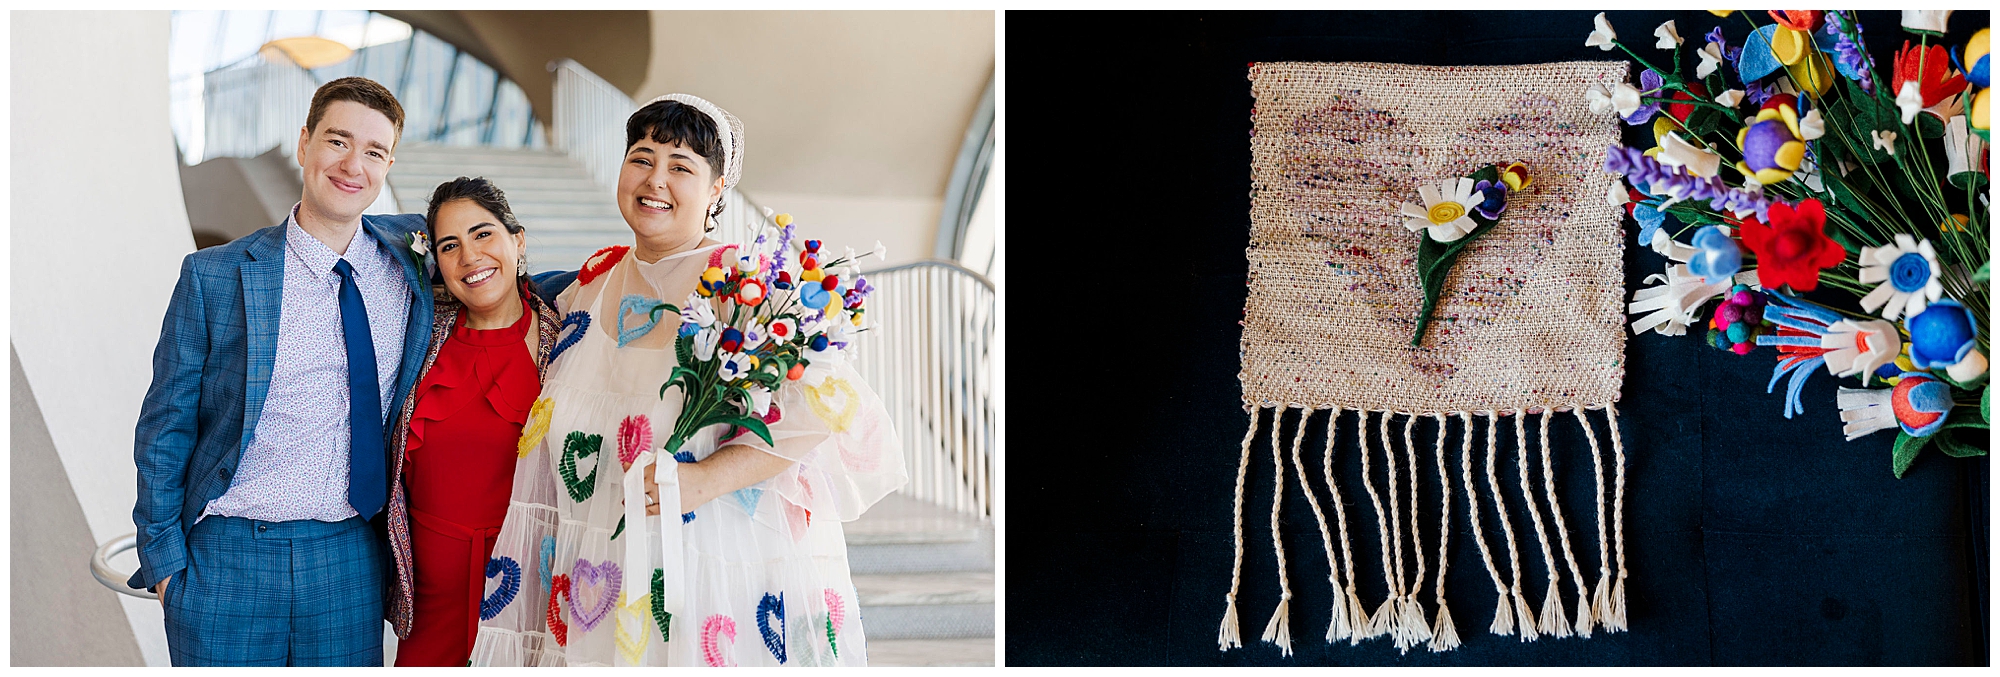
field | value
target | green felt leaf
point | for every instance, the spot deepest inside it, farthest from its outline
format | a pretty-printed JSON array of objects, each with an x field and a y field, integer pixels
[
  {"x": 1906, "y": 452},
  {"x": 1956, "y": 448},
  {"x": 754, "y": 424},
  {"x": 1968, "y": 181},
  {"x": 1985, "y": 397},
  {"x": 1965, "y": 417},
  {"x": 684, "y": 350},
  {"x": 654, "y": 314},
  {"x": 1705, "y": 121},
  {"x": 1928, "y": 126}
]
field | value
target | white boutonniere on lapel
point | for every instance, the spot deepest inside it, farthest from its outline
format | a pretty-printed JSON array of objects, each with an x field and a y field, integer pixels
[{"x": 420, "y": 251}]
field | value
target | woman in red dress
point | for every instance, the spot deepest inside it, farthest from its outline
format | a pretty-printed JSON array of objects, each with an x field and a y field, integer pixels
[{"x": 456, "y": 443}]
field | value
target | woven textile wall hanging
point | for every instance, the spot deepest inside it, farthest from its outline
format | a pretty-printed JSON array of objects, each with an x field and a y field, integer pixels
[{"x": 1527, "y": 331}]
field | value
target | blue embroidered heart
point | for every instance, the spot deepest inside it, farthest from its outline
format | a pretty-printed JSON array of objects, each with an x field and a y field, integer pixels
[
  {"x": 510, "y": 585},
  {"x": 578, "y": 319},
  {"x": 773, "y": 639},
  {"x": 683, "y": 457},
  {"x": 637, "y": 303},
  {"x": 748, "y": 497},
  {"x": 548, "y": 559},
  {"x": 687, "y": 517}
]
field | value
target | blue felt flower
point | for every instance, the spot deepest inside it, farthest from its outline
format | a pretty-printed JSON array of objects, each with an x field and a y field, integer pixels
[{"x": 1718, "y": 257}]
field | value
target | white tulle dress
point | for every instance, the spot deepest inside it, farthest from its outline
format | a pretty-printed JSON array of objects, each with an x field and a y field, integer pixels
[{"x": 581, "y": 576}]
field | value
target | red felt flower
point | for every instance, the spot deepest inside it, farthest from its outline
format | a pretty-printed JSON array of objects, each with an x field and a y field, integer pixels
[
  {"x": 1936, "y": 79},
  {"x": 1798, "y": 19},
  {"x": 1680, "y": 111},
  {"x": 1794, "y": 247}
]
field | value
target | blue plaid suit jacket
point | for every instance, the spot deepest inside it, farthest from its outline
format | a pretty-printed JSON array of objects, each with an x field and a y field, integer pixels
[{"x": 212, "y": 369}]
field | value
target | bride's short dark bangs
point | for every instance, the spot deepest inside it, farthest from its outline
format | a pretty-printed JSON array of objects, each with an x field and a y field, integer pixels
[{"x": 676, "y": 122}]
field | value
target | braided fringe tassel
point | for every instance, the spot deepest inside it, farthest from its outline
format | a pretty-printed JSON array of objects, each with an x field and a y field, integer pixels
[
  {"x": 1356, "y": 616},
  {"x": 1415, "y": 625},
  {"x": 1617, "y": 620},
  {"x": 1583, "y": 619},
  {"x": 1600, "y": 601},
  {"x": 1229, "y": 637},
  {"x": 1279, "y": 630},
  {"x": 1554, "y": 622},
  {"x": 1503, "y": 615},
  {"x": 1444, "y": 637},
  {"x": 1337, "y": 628},
  {"x": 1381, "y": 622},
  {"x": 1526, "y": 619}
]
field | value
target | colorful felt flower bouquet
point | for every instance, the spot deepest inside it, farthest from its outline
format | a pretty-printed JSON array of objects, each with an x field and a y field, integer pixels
[
  {"x": 1453, "y": 214},
  {"x": 761, "y": 317},
  {"x": 1791, "y": 164}
]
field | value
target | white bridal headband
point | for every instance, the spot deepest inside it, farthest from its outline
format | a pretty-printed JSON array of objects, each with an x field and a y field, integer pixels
[{"x": 726, "y": 125}]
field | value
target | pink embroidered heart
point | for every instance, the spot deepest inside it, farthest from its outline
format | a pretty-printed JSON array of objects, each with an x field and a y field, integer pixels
[
  {"x": 635, "y": 435},
  {"x": 713, "y": 651},
  {"x": 836, "y": 609},
  {"x": 593, "y": 591}
]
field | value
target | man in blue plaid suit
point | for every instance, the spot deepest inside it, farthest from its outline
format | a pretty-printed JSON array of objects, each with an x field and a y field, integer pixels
[{"x": 261, "y": 442}]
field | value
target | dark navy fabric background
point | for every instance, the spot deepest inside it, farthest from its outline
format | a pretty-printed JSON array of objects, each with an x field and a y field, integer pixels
[{"x": 1750, "y": 539}]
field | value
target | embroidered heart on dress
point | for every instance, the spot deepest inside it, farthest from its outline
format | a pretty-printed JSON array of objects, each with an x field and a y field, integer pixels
[
  {"x": 748, "y": 498},
  {"x": 833, "y": 401},
  {"x": 802, "y": 646},
  {"x": 631, "y": 633},
  {"x": 635, "y": 435},
  {"x": 548, "y": 558},
  {"x": 558, "y": 588},
  {"x": 712, "y": 650},
  {"x": 593, "y": 591},
  {"x": 575, "y": 447},
  {"x": 660, "y": 616},
  {"x": 578, "y": 319},
  {"x": 599, "y": 262},
  {"x": 774, "y": 639},
  {"x": 636, "y": 303},
  {"x": 510, "y": 585},
  {"x": 798, "y": 519},
  {"x": 537, "y": 426},
  {"x": 836, "y": 611}
]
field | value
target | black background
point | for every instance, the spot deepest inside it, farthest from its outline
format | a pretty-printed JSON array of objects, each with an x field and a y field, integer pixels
[{"x": 1751, "y": 539}]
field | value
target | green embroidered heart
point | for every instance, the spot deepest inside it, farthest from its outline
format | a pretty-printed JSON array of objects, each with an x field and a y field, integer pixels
[
  {"x": 576, "y": 446},
  {"x": 660, "y": 614}
]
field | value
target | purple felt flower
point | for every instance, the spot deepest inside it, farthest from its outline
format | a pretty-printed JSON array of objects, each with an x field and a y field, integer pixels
[
  {"x": 1852, "y": 59},
  {"x": 1649, "y": 85},
  {"x": 1671, "y": 183},
  {"x": 1495, "y": 203}
]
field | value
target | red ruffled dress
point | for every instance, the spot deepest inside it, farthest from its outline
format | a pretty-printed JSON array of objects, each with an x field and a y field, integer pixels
[{"x": 459, "y": 471}]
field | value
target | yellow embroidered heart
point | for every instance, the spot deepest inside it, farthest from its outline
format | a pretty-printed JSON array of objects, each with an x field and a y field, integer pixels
[
  {"x": 833, "y": 389},
  {"x": 537, "y": 426},
  {"x": 632, "y": 632}
]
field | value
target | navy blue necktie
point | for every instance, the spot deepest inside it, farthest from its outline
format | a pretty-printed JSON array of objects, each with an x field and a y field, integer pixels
[{"x": 367, "y": 480}]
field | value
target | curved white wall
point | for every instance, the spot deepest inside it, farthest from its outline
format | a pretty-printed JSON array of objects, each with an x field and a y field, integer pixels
[{"x": 99, "y": 229}]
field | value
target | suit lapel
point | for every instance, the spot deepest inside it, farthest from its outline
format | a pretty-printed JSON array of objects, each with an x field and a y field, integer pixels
[
  {"x": 263, "y": 299},
  {"x": 417, "y": 332}
]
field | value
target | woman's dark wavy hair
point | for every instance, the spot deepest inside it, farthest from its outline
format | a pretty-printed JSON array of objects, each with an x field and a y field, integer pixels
[
  {"x": 676, "y": 122},
  {"x": 481, "y": 192}
]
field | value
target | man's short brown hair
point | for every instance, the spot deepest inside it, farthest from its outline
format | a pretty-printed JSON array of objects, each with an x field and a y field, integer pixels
[{"x": 359, "y": 90}]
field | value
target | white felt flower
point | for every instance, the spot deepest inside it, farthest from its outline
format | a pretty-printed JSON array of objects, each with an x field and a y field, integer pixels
[
  {"x": 1446, "y": 211},
  {"x": 1669, "y": 38},
  {"x": 1812, "y": 126},
  {"x": 1910, "y": 101},
  {"x": 1970, "y": 369},
  {"x": 735, "y": 366},
  {"x": 881, "y": 252},
  {"x": 1678, "y": 153},
  {"x": 760, "y": 399},
  {"x": 1859, "y": 347},
  {"x": 1884, "y": 141},
  {"x": 705, "y": 342},
  {"x": 1711, "y": 57},
  {"x": 1865, "y": 411},
  {"x": 1670, "y": 306},
  {"x": 1600, "y": 99},
  {"x": 1932, "y": 20},
  {"x": 755, "y": 335},
  {"x": 1963, "y": 150},
  {"x": 1603, "y": 37},
  {"x": 697, "y": 311},
  {"x": 1908, "y": 272},
  {"x": 1625, "y": 98},
  {"x": 1616, "y": 195},
  {"x": 1730, "y": 97}
]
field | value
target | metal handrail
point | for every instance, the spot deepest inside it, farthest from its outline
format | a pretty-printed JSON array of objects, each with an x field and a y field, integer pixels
[
  {"x": 100, "y": 566},
  {"x": 928, "y": 354}
]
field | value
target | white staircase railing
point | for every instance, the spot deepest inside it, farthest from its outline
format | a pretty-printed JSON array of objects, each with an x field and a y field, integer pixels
[
  {"x": 253, "y": 107},
  {"x": 929, "y": 358}
]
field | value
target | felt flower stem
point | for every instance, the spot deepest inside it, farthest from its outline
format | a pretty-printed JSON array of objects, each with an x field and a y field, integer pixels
[{"x": 1434, "y": 258}]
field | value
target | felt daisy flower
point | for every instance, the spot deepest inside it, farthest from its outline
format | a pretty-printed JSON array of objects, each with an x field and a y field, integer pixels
[
  {"x": 1446, "y": 212},
  {"x": 697, "y": 312},
  {"x": 1859, "y": 347},
  {"x": 1908, "y": 272},
  {"x": 736, "y": 366}
]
